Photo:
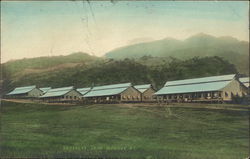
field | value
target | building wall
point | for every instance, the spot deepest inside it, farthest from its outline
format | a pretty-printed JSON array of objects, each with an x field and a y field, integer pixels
[
  {"x": 131, "y": 94},
  {"x": 25, "y": 95},
  {"x": 53, "y": 99},
  {"x": 234, "y": 88},
  {"x": 72, "y": 95},
  {"x": 148, "y": 95},
  {"x": 103, "y": 99},
  {"x": 68, "y": 97},
  {"x": 35, "y": 93}
]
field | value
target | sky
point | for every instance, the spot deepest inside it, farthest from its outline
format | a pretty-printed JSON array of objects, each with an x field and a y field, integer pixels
[{"x": 50, "y": 28}]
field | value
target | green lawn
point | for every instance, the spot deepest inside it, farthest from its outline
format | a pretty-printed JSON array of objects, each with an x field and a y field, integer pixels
[{"x": 37, "y": 130}]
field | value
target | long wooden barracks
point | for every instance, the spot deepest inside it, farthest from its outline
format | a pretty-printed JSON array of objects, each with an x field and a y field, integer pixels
[
  {"x": 215, "y": 88},
  {"x": 25, "y": 92},
  {"x": 207, "y": 89},
  {"x": 115, "y": 93},
  {"x": 64, "y": 94}
]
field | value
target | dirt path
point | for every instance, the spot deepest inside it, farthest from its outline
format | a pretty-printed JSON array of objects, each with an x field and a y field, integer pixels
[
  {"x": 30, "y": 101},
  {"x": 188, "y": 105},
  {"x": 141, "y": 105},
  {"x": 18, "y": 100}
]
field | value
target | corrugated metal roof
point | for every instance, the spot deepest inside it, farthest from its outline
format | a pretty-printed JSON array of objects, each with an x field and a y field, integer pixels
[
  {"x": 57, "y": 92},
  {"x": 22, "y": 90},
  {"x": 61, "y": 89},
  {"x": 107, "y": 90},
  {"x": 45, "y": 89},
  {"x": 83, "y": 91},
  {"x": 112, "y": 86},
  {"x": 189, "y": 88},
  {"x": 143, "y": 88},
  {"x": 201, "y": 80},
  {"x": 244, "y": 79}
]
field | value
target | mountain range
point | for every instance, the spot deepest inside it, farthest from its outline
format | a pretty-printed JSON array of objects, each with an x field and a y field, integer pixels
[{"x": 199, "y": 45}]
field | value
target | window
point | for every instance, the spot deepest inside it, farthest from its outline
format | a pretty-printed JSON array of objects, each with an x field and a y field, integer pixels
[
  {"x": 226, "y": 95},
  {"x": 215, "y": 94},
  {"x": 199, "y": 95},
  {"x": 232, "y": 94}
]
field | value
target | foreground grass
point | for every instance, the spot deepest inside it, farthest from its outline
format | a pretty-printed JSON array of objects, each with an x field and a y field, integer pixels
[{"x": 37, "y": 130}]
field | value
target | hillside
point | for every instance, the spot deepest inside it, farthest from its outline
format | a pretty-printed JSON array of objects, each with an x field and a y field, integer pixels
[
  {"x": 109, "y": 71},
  {"x": 200, "y": 45},
  {"x": 43, "y": 63},
  {"x": 19, "y": 70}
]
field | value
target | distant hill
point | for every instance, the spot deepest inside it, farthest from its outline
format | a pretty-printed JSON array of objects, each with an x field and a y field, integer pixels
[
  {"x": 109, "y": 71},
  {"x": 200, "y": 45},
  {"x": 43, "y": 64},
  {"x": 13, "y": 71}
]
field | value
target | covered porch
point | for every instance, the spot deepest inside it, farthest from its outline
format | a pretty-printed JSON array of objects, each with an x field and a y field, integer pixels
[{"x": 212, "y": 96}]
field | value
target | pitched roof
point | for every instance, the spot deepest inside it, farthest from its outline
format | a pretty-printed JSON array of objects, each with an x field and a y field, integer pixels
[
  {"x": 213, "y": 83},
  {"x": 112, "y": 86},
  {"x": 107, "y": 90},
  {"x": 57, "y": 92},
  {"x": 84, "y": 90},
  {"x": 142, "y": 88},
  {"x": 245, "y": 81},
  {"x": 45, "y": 89},
  {"x": 21, "y": 90},
  {"x": 189, "y": 88},
  {"x": 201, "y": 80}
]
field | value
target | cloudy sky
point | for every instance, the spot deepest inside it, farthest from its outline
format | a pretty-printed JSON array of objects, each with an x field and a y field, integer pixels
[{"x": 32, "y": 29}]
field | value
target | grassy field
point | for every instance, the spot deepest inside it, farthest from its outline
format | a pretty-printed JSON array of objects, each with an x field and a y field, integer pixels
[{"x": 38, "y": 130}]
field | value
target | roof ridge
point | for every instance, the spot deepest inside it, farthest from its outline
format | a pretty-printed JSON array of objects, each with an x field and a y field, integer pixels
[
  {"x": 107, "y": 88},
  {"x": 196, "y": 83},
  {"x": 113, "y": 84},
  {"x": 25, "y": 87},
  {"x": 202, "y": 77}
]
